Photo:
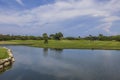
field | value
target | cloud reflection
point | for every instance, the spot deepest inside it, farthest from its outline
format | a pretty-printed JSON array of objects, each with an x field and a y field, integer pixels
[{"x": 72, "y": 64}]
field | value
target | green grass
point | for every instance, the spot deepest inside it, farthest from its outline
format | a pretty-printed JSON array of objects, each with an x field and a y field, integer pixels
[
  {"x": 3, "y": 53},
  {"x": 68, "y": 44}
]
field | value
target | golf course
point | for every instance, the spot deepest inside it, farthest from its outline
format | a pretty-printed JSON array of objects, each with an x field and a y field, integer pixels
[{"x": 67, "y": 44}]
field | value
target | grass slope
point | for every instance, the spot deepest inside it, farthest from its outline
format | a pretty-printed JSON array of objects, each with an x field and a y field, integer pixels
[
  {"x": 3, "y": 53},
  {"x": 68, "y": 44}
]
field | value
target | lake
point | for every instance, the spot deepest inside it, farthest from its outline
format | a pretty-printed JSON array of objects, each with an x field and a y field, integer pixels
[{"x": 68, "y": 64}]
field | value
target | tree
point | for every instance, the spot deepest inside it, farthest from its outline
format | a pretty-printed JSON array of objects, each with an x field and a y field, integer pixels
[
  {"x": 117, "y": 38},
  {"x": 58, "y": 36},
  {"x": 91, "y": 37},
  {"x": 45, "y": 37},
  {"x": 52, "y": 36},
  {"x": 100, "y": 37}
]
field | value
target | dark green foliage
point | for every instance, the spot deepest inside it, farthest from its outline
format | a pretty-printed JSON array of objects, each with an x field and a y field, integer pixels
[
  {"x": 52, "y": 36},
  {"x": 70, "y": 38},
  {"x": 101, "y": 37},
  {"x": 117, "y": 38},
  {"x": 57, "y": 36},
  {"x": 73, "y": 38},
  {"x": 19, "y": 37},
  {"x": 45, "y": 37}
]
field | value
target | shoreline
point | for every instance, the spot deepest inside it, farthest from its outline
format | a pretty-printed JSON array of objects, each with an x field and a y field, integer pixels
[
  {"x": 7, "y": 61},
  {"x": 60, "y": 48}
]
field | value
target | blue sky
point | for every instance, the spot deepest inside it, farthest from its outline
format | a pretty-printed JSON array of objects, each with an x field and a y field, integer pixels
[{"x": 71, "y": 17}]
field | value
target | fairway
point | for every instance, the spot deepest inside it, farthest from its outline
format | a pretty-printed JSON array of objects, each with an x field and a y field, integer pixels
[{"x": 67, "y": 44}]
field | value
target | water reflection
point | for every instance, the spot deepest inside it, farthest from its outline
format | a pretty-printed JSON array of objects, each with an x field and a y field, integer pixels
[
  {"x": 2, "y": 70},
  {"x": 57, "y": 50},
  {"x": 68, "y": 64},
  {"x": 45, "y": 52}
]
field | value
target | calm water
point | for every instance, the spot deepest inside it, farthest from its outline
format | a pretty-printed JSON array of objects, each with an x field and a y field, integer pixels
[{"x": 68, "y": 64}]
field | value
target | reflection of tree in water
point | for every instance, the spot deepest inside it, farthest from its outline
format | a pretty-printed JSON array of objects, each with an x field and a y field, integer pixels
[
  {"x": 2, "y": 70},
  {"x": 57, "y": 52},
  {"x": 45, "y": 52}
]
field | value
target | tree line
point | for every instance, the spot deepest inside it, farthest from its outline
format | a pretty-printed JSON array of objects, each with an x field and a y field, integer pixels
[
  {"x": 59, "y": 36},
  {"x": 101, "y": 37}
]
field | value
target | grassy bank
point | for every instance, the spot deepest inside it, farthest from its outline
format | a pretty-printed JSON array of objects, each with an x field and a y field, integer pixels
[
  {"x": 3, "y": 53},
  {"x": 68, "y": 44}
]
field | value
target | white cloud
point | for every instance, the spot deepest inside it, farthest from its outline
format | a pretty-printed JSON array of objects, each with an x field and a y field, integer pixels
[
  {"x": 20, "y": 2},
  {"x": 62, "y": 10},
  {"x": 106, "y": 27},
  {"x": 108, "y": 22}
]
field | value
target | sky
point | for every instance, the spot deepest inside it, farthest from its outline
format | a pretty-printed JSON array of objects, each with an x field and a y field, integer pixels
[{"x": 71, "y": 17}]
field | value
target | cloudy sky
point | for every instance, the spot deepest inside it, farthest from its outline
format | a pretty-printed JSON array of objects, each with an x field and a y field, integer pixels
[{"x": 71, "y": 17}]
